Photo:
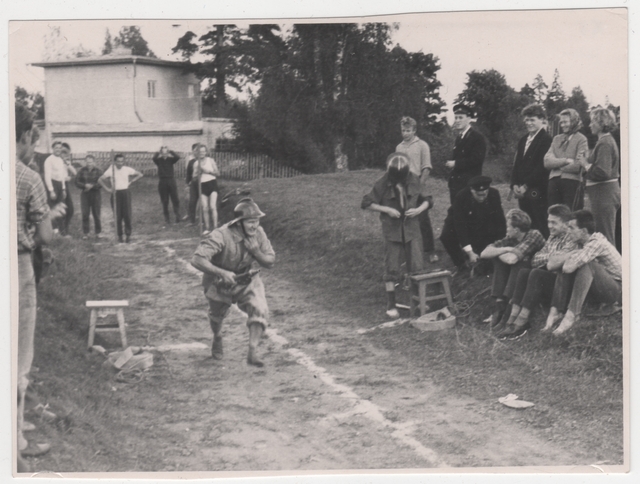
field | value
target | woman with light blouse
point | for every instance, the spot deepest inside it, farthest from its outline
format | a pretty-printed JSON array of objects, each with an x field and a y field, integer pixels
[
  {"x": 602, "y": 167},
  {"x": 565, "y": 177}
]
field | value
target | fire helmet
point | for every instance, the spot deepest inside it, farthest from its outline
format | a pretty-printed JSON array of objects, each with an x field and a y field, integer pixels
[{"x": 246, "y": 208}]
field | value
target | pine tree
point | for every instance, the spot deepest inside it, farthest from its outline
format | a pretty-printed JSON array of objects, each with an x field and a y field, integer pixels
[{"x": 108, "y": 45}]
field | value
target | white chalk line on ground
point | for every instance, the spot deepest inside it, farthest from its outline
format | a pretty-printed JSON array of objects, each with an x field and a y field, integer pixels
[{"x": 361, "y": 407}]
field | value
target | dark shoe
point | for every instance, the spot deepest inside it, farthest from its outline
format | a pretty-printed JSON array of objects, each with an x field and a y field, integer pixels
[
  {"x": 120, "y": 239},
  {"x": 35, "y": 450},
  {"x": 216, "y": 348},
  {"x": 515, "y": 332},
  {"x": 128, "y": 239}
]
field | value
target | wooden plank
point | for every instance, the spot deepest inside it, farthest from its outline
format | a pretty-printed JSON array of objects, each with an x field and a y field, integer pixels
[{"x": 107, "y": 304}]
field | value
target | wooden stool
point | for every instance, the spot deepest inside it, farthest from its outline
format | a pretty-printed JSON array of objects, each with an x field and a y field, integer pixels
[
  {"x": 422, "y": 281},
  {"x": 100, "y": 309}
]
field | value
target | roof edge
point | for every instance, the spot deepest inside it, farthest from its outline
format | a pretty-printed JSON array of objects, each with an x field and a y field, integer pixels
[{"x": 128, "y": 59}]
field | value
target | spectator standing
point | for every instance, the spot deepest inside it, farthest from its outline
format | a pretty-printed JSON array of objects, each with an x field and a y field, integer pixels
[
  {"x": 603, "y": 172},
  {"x": 468, "y": 152},
  {"x": 192, "y": 185},
  {"x": 34, "y": 229},
  {"x": 206, "y": 171},
  {"x": 400, "y": 198},
  {"x": 529, "y": 178},
  {"x": 55, "y": 176},
  {"x": 90, "y": 199},
  {"x": 419, "y": 156},
  {"x": 65, "y": 154},
  {"x": 165, "y": 160},
  {"x": 120, "y": 178},
  {"x": 473, "y": 222},
  {"x": 565, "y": 177}
]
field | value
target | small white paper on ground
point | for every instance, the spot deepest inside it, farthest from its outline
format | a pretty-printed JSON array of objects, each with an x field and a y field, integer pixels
[{"x": 512, "y": 401}]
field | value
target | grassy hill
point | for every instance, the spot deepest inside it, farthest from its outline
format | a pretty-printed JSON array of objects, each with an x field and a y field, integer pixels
[{"x": 333, "y": 250}]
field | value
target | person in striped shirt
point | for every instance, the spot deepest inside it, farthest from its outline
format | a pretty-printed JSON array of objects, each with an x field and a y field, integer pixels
[{"x": 595, "y": 270}]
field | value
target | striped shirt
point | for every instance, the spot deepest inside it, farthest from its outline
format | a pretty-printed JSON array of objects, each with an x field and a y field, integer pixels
[
  {"x": 555, "y": 245},
  {"x": 599, "y": 249},
  {"x": 31, "y": 205},
  {"x": 532, "y": 242}
]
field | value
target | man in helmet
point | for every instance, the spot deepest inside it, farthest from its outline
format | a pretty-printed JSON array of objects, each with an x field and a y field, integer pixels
[{"x": 228, "y": 257}]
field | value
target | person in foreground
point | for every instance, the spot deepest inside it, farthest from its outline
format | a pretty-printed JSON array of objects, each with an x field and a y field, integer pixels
[
  {"x": 34, "y": 229},
  {"x": 509, "y": 255},
  {"x": 229, "y": 257},
  {"x": 595, "y": 270},
  {"x": 400, "y": 198},
  {"x": 474, "y": 221},
  {"x": 536, "y": 284}
]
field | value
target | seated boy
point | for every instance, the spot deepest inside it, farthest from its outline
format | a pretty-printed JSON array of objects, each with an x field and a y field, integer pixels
[
  {"x": 536, "y": 284},
  {"x": 509, "y": 255},
  {"x": 399, "y": 197},
  {"x": 595, "y": 270}
]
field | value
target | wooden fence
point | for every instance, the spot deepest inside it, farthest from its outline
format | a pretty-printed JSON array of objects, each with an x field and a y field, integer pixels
[{"x": 232, "y": 165}]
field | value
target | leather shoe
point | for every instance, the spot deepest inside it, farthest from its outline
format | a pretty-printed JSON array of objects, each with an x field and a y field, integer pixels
[{"x": 515, "y": 332}]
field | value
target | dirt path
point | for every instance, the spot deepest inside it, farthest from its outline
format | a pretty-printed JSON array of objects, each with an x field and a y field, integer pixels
[{"x": 326, "y": 399}]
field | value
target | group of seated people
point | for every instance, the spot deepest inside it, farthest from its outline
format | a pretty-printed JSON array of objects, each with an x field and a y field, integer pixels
[{"x": 573, "y": 263}]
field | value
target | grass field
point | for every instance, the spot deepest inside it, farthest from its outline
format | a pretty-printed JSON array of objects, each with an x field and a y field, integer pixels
[{"x": 332, "y": 249}]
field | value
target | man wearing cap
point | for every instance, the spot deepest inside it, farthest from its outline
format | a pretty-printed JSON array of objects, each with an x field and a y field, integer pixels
[
  {"x": 468, "y": 152},
  {"x": 229, "y": 257},
  {"x": 475, "y": 220}
]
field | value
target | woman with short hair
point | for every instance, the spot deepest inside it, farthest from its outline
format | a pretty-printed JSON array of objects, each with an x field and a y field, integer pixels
[{"x": 602, "y": 167}]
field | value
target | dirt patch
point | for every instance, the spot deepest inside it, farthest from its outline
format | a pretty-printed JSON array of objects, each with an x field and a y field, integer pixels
[{"x": 327, "y": 399}]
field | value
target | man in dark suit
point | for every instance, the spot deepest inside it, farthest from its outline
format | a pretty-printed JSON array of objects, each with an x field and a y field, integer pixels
[
  {"x": 529, "y": 178},
  {"x": 468, "y": 152},
  {"x": 474, "y": 221}
]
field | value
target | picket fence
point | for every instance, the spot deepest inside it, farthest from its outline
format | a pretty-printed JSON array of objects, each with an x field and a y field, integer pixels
[{"x": 232, "y": 165}]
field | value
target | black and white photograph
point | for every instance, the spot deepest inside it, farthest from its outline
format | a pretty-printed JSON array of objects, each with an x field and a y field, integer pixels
[{"x": 292, "y": 246}]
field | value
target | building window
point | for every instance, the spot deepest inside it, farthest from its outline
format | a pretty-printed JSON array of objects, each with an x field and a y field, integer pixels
[
  {"x": 192, "y": 90},
  {"x": 151, "y": 88}
]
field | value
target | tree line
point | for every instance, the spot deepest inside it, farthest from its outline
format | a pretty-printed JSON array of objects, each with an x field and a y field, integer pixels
[{"x": 308, "y": 93}]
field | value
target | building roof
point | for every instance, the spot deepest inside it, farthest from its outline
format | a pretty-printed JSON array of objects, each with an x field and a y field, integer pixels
[{"x": 109, "y": 59}]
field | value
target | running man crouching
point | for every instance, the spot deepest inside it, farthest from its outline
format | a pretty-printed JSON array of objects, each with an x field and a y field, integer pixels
[{"x": 228, "y": 257}]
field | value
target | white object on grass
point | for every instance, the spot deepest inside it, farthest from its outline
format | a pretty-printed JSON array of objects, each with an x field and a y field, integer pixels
[{"x": 512, "y": 401}]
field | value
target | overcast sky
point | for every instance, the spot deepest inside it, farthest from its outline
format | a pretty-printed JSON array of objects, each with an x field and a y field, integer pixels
[{"x": 588, "y": 47}]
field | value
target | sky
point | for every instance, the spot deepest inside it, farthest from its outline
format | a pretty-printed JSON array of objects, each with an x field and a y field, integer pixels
[{"x": 588, "y": 47}]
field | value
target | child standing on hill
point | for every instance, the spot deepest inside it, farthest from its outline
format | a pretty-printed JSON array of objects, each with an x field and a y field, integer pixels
[
  {"x": 400, "y": 198},
  {"x": 419, "y": 156},
  {"x": 120, "y": 177}
]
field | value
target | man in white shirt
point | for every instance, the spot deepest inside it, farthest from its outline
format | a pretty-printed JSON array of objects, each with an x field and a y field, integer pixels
[
  {"x": 120, "y": 178},
  {"x": 55, "y": 174}
]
